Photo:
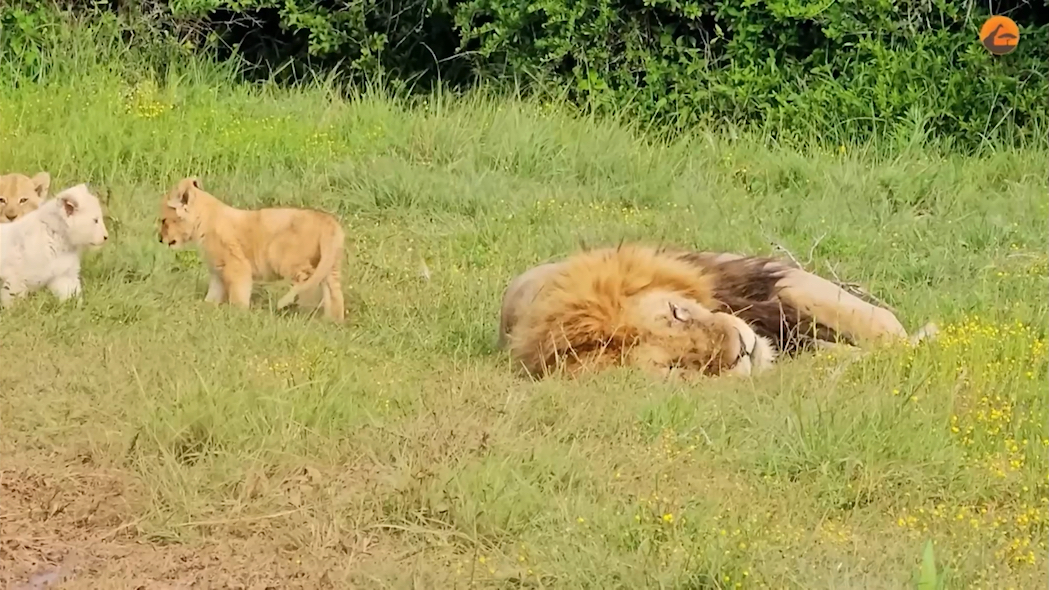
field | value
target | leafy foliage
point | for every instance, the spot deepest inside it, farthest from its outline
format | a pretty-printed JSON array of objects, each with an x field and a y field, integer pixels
[{"x": 843, "y": 71}]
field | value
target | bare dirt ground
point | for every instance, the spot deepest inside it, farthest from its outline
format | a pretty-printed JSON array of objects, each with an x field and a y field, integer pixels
[{"x": 70, "y": 526}]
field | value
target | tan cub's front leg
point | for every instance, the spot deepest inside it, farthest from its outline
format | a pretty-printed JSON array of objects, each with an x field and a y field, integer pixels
[
  {"x": 236, "y": 280},
  {"x": 216, "y": 290}
]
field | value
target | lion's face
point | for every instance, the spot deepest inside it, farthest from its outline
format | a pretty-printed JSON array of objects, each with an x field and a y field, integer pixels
[
  {"x": 20, "y": 194},
  {"x": 682, "y": 334}
]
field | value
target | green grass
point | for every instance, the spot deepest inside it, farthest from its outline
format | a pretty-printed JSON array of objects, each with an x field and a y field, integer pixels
[{"x": 407, "y": 432}]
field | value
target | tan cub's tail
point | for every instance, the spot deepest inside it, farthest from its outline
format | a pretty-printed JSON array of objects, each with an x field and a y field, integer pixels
[{"x": 330, "y": 247}]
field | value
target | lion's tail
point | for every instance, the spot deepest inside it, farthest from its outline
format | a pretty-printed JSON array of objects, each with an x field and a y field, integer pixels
[{"x": 330, "y": 246}]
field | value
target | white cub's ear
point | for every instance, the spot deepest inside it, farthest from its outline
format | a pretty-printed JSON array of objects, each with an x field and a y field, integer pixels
[{"x": 69, "y": 205}]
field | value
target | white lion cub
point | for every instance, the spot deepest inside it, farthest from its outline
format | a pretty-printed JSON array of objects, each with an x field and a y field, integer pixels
[{"x": 43, "y": 248}]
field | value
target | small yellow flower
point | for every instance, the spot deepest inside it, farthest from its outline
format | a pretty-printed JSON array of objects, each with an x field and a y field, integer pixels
[{"x": 668, "y": 517}]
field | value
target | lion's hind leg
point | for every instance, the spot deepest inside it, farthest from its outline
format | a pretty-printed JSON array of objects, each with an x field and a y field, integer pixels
[{"x": 838, "y": 309}]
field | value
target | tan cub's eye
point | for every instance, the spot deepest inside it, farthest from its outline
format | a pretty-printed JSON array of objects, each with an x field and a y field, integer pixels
[{"x": 22, "y": 200}]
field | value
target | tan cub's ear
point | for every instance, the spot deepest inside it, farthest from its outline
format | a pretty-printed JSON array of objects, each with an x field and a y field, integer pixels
[
  {"x": 41, "y": 182},
  {"x": 186, "y": 187}
]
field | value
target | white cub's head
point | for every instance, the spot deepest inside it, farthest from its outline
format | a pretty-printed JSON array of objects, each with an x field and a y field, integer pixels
[{"x": 83, "y": 216}]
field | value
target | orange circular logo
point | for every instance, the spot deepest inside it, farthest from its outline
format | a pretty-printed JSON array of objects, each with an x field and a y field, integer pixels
[{"x": 1000, "y": 35}]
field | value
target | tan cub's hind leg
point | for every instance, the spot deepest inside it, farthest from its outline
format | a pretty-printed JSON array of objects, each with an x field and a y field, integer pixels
[
  {"x": 330, "y": 258},
  {"x": 331, "y": 289},
  {"x": 311, "y": 299},
  {"x": 831, "y": 305}
]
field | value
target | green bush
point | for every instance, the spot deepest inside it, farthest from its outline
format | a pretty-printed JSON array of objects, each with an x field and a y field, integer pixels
[
  {"x": 842, "y": 71},
  {"x": 848, "y": 69}
]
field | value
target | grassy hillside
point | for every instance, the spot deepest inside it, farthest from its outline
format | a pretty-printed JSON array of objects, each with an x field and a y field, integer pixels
[{"x": 147, "y": 436}]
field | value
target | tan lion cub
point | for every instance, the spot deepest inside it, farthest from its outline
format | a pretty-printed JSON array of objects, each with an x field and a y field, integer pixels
[
  {"x": 20, "y": 194},
  {"x": 239, "y": 246}
]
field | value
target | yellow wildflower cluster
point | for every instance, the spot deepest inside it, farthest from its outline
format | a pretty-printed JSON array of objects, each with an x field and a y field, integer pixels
[
  {"x": 321, "y": 140},
  {"x": 1011, "y": 460},
  {"x": 297, "y": 369},
  {"x": 1022, "y": 264},
  {"x": 988, "y": 416},
  {"x": 1019, "y": 530},
  {"x": 142, "y": 101},
  {"x": 572, "y": 210},
  {"x": 674, "y": 447},
  {"x": 833, "y": 533},
  {"x": 972, "y": 332},
  {"x": 657, "y": 509}
]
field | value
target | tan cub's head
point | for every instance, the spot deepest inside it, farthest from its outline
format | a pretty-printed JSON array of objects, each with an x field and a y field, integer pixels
[
  {"x": 179, "y": 215},
  {"x": 20, "y": 194}
]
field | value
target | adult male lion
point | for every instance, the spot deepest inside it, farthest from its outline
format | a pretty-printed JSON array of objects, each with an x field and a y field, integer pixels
[
  {"x": 672, "y": 310},
  {"x": 20, "y": 194}
]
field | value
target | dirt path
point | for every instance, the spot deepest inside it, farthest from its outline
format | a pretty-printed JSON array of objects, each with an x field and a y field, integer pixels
[{"x": 71, "y": 527}]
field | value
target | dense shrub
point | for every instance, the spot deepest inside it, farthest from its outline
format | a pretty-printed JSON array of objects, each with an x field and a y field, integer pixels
[
  {"x": 841, "y": 70},
  {"x": 849, "y": 68}
]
